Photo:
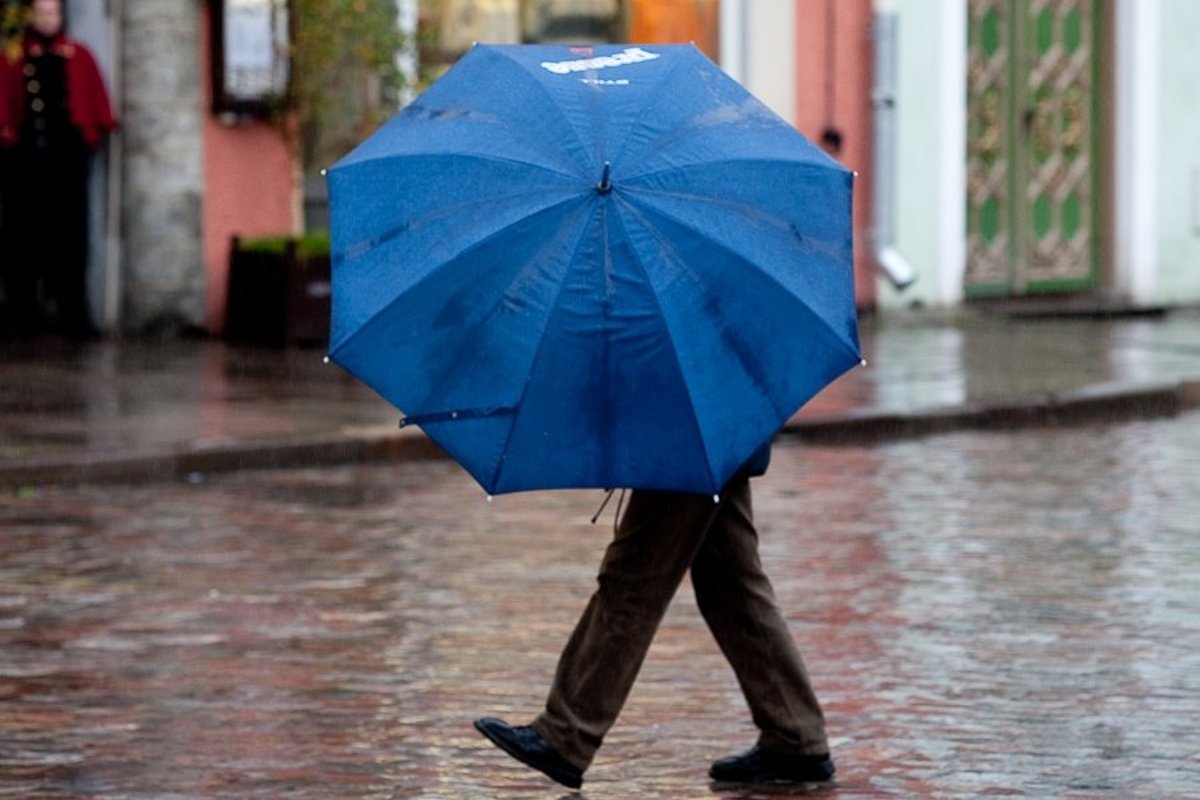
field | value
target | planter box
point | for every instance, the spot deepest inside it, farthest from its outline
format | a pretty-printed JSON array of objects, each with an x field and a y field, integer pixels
[{"x": 277, "y": 297}]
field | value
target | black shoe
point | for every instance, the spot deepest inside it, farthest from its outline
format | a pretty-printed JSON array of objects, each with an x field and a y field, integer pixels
[
  {"x": 527, "y": 746},
  {"x": 757, "y": 765}
]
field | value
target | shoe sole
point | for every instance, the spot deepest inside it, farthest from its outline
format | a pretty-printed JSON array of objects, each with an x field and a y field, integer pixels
[
  {"x": 775, "y": 779},
  {"x": 565, "y": 778},
  {"x": 821, "y": 773},
  {"x": 770, "y": 785}
]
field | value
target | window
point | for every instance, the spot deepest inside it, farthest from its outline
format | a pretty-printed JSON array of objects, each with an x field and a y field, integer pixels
[{"x": 250, "y": 55}]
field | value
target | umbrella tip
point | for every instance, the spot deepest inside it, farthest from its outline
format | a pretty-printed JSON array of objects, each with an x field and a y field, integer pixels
[
  {"x": 862, "y": 363},
  {"x": 325, "y": 360},
  {"x": 605, "y": 186},
  {"x": 489, "y": 498},
  {"x": 324, "y": 172}
]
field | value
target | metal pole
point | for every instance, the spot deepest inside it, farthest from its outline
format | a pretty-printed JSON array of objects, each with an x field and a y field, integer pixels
[
  {"x": 890, "y": 261},
  {"x": 112, "y": 262},
  {"x": 407, "y": 13},
  {"x": 732, "y": 32}
]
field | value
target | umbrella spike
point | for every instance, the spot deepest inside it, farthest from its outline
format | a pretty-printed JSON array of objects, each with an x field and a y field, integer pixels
[{"x": 605, "y": 186}]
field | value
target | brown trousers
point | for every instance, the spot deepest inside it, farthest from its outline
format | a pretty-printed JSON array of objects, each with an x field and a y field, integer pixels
[{"x": 660, "y": 536}]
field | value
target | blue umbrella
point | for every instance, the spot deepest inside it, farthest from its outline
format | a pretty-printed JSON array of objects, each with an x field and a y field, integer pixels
[{"x": 603, "y": 266}]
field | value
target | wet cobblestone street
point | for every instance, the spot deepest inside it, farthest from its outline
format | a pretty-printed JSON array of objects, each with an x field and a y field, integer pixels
[{"x": 983, "y": 614}]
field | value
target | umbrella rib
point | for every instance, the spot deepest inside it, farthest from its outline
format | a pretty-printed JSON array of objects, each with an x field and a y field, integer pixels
[
  {"x": 815, "y": 245},
  {"x": 555, "y": 103},
  {"x": 651, "y": 101},
  {"x": 851, "y": 350},
  {"x": 667, "y": 137},
  {"x": 481, "y": 156},
  {"x": 674, "y": 350},
  {"x": 429, "y": 275},
  {"x": 517, "y": 406},
  {"x": 361, "y": 248},
  {"x": 709, "y": 164}
]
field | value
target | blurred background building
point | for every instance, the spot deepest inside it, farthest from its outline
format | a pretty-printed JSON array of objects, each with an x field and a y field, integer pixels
[{"x": 1008, "y": 151}]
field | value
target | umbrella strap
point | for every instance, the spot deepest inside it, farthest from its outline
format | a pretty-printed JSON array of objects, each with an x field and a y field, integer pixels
[
  {"x": 617, "y": 516},
  {"x": 449, "y": 416}
]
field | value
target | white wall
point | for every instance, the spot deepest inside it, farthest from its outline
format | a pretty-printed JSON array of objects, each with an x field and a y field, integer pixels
[
  {"x": 91, "y": 23},
  {"x": 1136, "y": 122},
  {"x": 931, "y": 152},
  {"x": 758, "y": 49},
  {"x": 1177, "y": 167}
]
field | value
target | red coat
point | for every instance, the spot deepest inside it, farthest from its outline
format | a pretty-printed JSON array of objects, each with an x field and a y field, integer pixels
[{"x": 87, "y": 98}]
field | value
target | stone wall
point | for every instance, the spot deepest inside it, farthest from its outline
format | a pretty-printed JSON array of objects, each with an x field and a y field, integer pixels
[{"x": 163, "y": 277}]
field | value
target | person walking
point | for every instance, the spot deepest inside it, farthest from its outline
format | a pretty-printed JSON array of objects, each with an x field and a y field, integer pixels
[
  {"x": 54, "y": 112},
  {"x": 660, "y": 537}
]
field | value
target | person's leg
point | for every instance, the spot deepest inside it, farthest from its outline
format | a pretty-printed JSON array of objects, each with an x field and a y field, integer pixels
[
  {"x": 642, "y": 568},
  {"x": 738, "y": 603}
]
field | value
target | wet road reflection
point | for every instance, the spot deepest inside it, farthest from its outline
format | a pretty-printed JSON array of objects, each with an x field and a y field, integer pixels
[{"x": 983, "y": 614}]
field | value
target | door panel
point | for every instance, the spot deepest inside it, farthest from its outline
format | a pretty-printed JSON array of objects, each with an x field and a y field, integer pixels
[{"x": 1032, "y": 200}]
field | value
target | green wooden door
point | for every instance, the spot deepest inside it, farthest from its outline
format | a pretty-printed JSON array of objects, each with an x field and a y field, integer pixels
[{"x": 1032, "y": 194}]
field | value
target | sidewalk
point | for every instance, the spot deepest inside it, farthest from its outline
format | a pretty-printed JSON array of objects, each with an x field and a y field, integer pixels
[{"x": 121, "y": 411}]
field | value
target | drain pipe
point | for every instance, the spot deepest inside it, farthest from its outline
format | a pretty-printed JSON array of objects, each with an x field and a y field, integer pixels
[
  {"x": 113, "y": 294},
  {"x": 407, "y": 57},
  {"x": 890, "y": 261},
  {"x": 731, "y": 30}
]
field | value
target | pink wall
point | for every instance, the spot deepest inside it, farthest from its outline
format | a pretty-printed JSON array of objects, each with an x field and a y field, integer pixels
[
  {"x": 251, "y": 185},
  {"x": 844, "y": 104}
]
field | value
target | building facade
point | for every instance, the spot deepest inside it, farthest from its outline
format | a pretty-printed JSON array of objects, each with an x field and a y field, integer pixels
[
  {"x": 1004, "y": 148},
  {"x": 1045, "y": 151},
  {"x": 810, "y": 61},
  {"x": 179, "y": 179}
]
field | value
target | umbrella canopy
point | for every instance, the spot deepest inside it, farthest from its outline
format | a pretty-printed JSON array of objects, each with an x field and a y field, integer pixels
[{"x": 604, "y": 267}]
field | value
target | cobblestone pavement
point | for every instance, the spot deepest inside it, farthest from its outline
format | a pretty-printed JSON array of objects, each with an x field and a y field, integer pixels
[{"x": 984, "y": 614}]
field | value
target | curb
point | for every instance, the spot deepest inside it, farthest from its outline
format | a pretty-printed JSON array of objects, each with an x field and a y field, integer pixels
[
  {"x": 181, "y": 463},
  {"x": 1100, "y": 403}
]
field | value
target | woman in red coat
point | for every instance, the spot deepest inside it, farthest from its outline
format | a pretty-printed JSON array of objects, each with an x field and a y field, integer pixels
[{"x": 54, "y": 113}]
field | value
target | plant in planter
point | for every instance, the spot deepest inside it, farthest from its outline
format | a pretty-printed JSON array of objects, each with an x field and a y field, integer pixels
[
  {"x": 343, "y": 82},
  {"x": 279, "y": 291}
]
